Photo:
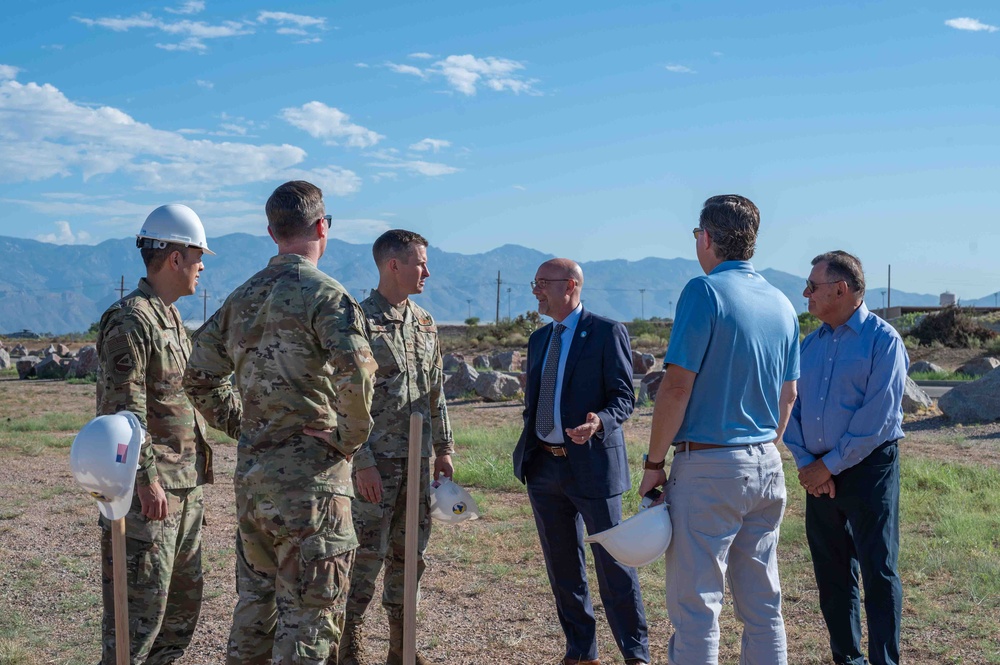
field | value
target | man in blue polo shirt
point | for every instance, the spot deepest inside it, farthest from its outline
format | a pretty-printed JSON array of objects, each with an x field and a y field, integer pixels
[
  {"x": 729, "y": 387},
  {"x": 843, "y": 434}
]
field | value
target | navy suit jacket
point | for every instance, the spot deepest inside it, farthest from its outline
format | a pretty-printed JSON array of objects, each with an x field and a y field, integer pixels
[{"x": 598, "y": 379}]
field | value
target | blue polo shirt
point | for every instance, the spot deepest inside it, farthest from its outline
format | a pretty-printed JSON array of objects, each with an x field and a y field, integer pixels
[{"x": 741, "y": 336}]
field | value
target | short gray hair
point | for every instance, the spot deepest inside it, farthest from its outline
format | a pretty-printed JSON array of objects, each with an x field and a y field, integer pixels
[
  {"x": 843, "y": 266},
  {"x": 293, "y": 209}
]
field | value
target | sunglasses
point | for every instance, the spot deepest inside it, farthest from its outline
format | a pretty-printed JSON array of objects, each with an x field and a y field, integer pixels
[
  {"x": 329, "y": 220},
  {"x": 811, "y": 286},
  {"x": 697, "y": 232}
]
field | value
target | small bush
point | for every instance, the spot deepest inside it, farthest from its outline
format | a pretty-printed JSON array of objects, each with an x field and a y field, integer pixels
[
  {"x": 807, "y": 324},
  {"x": 954, "y": 328}
]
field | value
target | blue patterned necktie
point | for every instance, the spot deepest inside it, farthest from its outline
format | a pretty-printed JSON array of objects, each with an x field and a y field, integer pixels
[{"x": 545, "y": 413}]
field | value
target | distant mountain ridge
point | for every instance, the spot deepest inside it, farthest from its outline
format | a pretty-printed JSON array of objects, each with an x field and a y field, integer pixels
[{"x": 65, "y": 288}]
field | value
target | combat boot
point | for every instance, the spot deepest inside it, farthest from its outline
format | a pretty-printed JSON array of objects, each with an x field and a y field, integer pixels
[
  {"x": 395, "y": 656},
  {"x": 352, "y": 646}
]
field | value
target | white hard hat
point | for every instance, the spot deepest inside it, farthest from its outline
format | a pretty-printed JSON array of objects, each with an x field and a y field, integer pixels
[
  {"x": 173, "y": 223},
  {"x": 104, "y": 458},
  {"x": 451, "y": 502},
  {"x": 639, "y": 540}
]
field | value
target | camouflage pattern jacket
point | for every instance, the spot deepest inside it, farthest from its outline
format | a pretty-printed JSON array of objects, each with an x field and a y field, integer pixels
[
  {"x": 410, "y": 379},
  {"x": 293, "y": 341},
  {"x": 142, "y": 349}
]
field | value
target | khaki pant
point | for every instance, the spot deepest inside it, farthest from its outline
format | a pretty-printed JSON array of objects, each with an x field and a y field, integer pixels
[
  {"x": 294, "y": 551},
  {"x": 163, "y": 565}
]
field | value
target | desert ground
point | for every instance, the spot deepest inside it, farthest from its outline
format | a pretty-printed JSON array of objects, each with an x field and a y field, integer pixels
[{"x": 485, "y": 595}]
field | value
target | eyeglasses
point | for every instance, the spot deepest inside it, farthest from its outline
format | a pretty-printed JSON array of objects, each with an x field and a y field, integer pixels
[
  {"x": 697, "y": 232},
  {"x": 542, "y": 283},
  {"x": 811, "y": 285},
  {"x": 329, "y": 220}
]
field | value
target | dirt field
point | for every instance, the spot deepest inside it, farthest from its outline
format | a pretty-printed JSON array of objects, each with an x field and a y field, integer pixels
[{"x": 485, "y": 595}]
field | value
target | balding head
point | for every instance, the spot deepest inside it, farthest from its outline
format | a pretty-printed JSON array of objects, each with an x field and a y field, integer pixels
[{"x": 558, "y": 283}]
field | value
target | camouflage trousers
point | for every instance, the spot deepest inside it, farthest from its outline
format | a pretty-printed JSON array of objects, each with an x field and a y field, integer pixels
[
  {"x": 294, "y": 551},
  {"x": 163, "y": 565},
  {"x": 381, "y": 531}
]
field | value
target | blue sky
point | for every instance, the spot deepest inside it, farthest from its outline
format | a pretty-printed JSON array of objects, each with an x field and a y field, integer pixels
[{"x": 587, "y": 129}]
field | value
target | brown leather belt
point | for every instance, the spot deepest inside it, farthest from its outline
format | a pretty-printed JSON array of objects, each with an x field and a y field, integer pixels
[{"x": 555, "y": 451}]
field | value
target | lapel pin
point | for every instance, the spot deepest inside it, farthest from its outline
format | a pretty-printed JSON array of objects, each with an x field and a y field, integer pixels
[{"x": 583, "y": 334}]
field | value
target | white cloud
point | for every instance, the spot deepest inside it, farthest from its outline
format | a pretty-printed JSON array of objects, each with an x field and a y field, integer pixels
[
  {"x": 972, "y": 24},
  {"x": 520, "y": 188},
  {"x": 421, "y": 56},
  {"x": 309, "y": 40},
  {"x": 405, "y": 69},
  {"x": 292, "y": 31},
  {"x": 718, "y": 54},
  {"x": 679, "y": 69},
  {"x": 64, "y": 235},
  {"x": 44, "y": 135},
  {"x": 300, "y": 20},
  {"x": 207, "y": 85},
  {"x": 331, "y": 179},
  {"x": 430, "y": 144},
  {"x": 466, "y": 73},
  {"x": 189, "y": 7},
  {"x": 192, "y": 32},
  {"x": 362, "y": 65},
  {"x": 415, "y": 166},
  {"x": 326, "y": 122},
  {"x": 8, "y": 72},
  {"x": 357, "y": 230}
]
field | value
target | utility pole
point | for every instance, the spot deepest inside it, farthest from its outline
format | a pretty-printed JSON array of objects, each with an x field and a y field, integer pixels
[
  {"x": 671, "y": 310},
  {"x": 508, "y": 303},
  {"x": 121, "y": 289},
  {"x": 204, "y": 308},
  {"x": 469, "y": 300},
  {"x": 642, "y": 304},
  {"x": 883, "y": 302},
  {"x": 890, "y": 287},
  {"x": 498, "y": 297}
]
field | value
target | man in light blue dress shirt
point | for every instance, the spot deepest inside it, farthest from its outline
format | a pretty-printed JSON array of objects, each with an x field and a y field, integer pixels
[
  {"x": 843, "y": 433},
  {"x": 726, "y": 397}
]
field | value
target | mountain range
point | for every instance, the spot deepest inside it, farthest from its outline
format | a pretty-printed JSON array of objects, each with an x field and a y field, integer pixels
[{"x": 64, "y": 288}]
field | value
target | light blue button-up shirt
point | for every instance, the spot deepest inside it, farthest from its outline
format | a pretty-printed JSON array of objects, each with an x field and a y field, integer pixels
[
  {"x": 850, "y": 392},
  {"x": 557, "y": 435}
]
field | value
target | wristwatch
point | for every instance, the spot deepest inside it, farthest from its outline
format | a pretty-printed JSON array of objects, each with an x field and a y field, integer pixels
[{"x": 652, "y": 466}]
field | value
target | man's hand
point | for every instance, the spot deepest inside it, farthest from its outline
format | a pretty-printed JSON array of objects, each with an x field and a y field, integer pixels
[
  {"x": 369, "y": 484},
  {"x": 826, "y": 488},
  {"x": 326, "y": 435},
  {"x": 153, "y": 501},
  {"x": 591, "y": 426},
  {"x": 443, "y": 467},
  {"x": 814, "y": 475},
  {"x": 652, "y": 478}
]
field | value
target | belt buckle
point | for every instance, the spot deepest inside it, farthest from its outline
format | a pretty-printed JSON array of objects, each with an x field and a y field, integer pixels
[{"x": 556, "y": 451}]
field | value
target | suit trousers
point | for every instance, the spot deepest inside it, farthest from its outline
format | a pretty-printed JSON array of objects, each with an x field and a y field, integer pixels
[
  {"x": 560, "y": 515},
  {"x": 855, "y": 532}
]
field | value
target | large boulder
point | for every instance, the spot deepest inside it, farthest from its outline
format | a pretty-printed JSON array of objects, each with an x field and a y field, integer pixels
[
  {"x": 462, "y": 382},
  {"x": 19, "y": 350},
  {"x": 63, "y": 350},
  {"x": 649, "y": 385},
  {"x": 924, "y": 367},
  {"x": 914, "y": 398},
  {"x": 497, "y": 387},
  {"x": 26, "y": 366},
  {"x": 642, "y": 362},
  {"x": 50, "y": 368},
  {"x": 4, "y": 359},
  {"x": 49, "y": 350},
  {"x": 85, "y": 363},
  {"x": 506, "y": 361},
  {"x": 979, "y": 366},
  {"x": 481, "y": 361},
  {"x": 452, "y": 361},
  {"x": 977, "y": 400}
]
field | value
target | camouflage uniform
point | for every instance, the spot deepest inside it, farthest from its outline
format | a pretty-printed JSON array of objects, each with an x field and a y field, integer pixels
[
  {"x": 143, "y": 348},
  {"x": 292, "y": 340},
  {"x": 410, "y": 380}
]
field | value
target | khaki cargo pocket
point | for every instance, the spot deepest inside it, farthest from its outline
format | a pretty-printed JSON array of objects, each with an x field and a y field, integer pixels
[{"x": 325, "y": 571}]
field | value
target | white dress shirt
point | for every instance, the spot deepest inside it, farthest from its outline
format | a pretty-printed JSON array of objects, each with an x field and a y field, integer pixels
[{"x": 557, "y": 435}]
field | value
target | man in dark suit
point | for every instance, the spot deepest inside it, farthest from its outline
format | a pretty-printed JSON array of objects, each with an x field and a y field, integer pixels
[{"x": 571, "y": 455}]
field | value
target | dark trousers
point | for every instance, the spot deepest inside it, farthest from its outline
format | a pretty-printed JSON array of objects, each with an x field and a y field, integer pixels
[
  {"x": 560, "y": 515},
  {"x": 858, "y": 532}
]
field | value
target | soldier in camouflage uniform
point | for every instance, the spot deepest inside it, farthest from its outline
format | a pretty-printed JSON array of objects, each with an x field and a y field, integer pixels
[
  {"x": 143, "y": 348},
  {"x": 410, "y": 380},
  {"x": 293, "y": 341}
]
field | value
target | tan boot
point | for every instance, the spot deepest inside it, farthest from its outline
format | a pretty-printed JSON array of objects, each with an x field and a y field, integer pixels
[
  {"x": 352, "y": 647},
  {"x": 395, "y": 656}
]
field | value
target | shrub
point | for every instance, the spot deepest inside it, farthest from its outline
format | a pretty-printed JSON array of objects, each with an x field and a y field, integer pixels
[
  {"x": 953, "y": 328},
  {"x": 807, "y": 324}
]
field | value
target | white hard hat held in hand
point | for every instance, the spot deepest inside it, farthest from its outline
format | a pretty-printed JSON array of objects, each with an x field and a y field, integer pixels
[
  {"x": 639, "y": 540},
  {"x": 452, "y": 503},
  {"x": 173, "y": 223},
  {"x": 104, "y": 459}
]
